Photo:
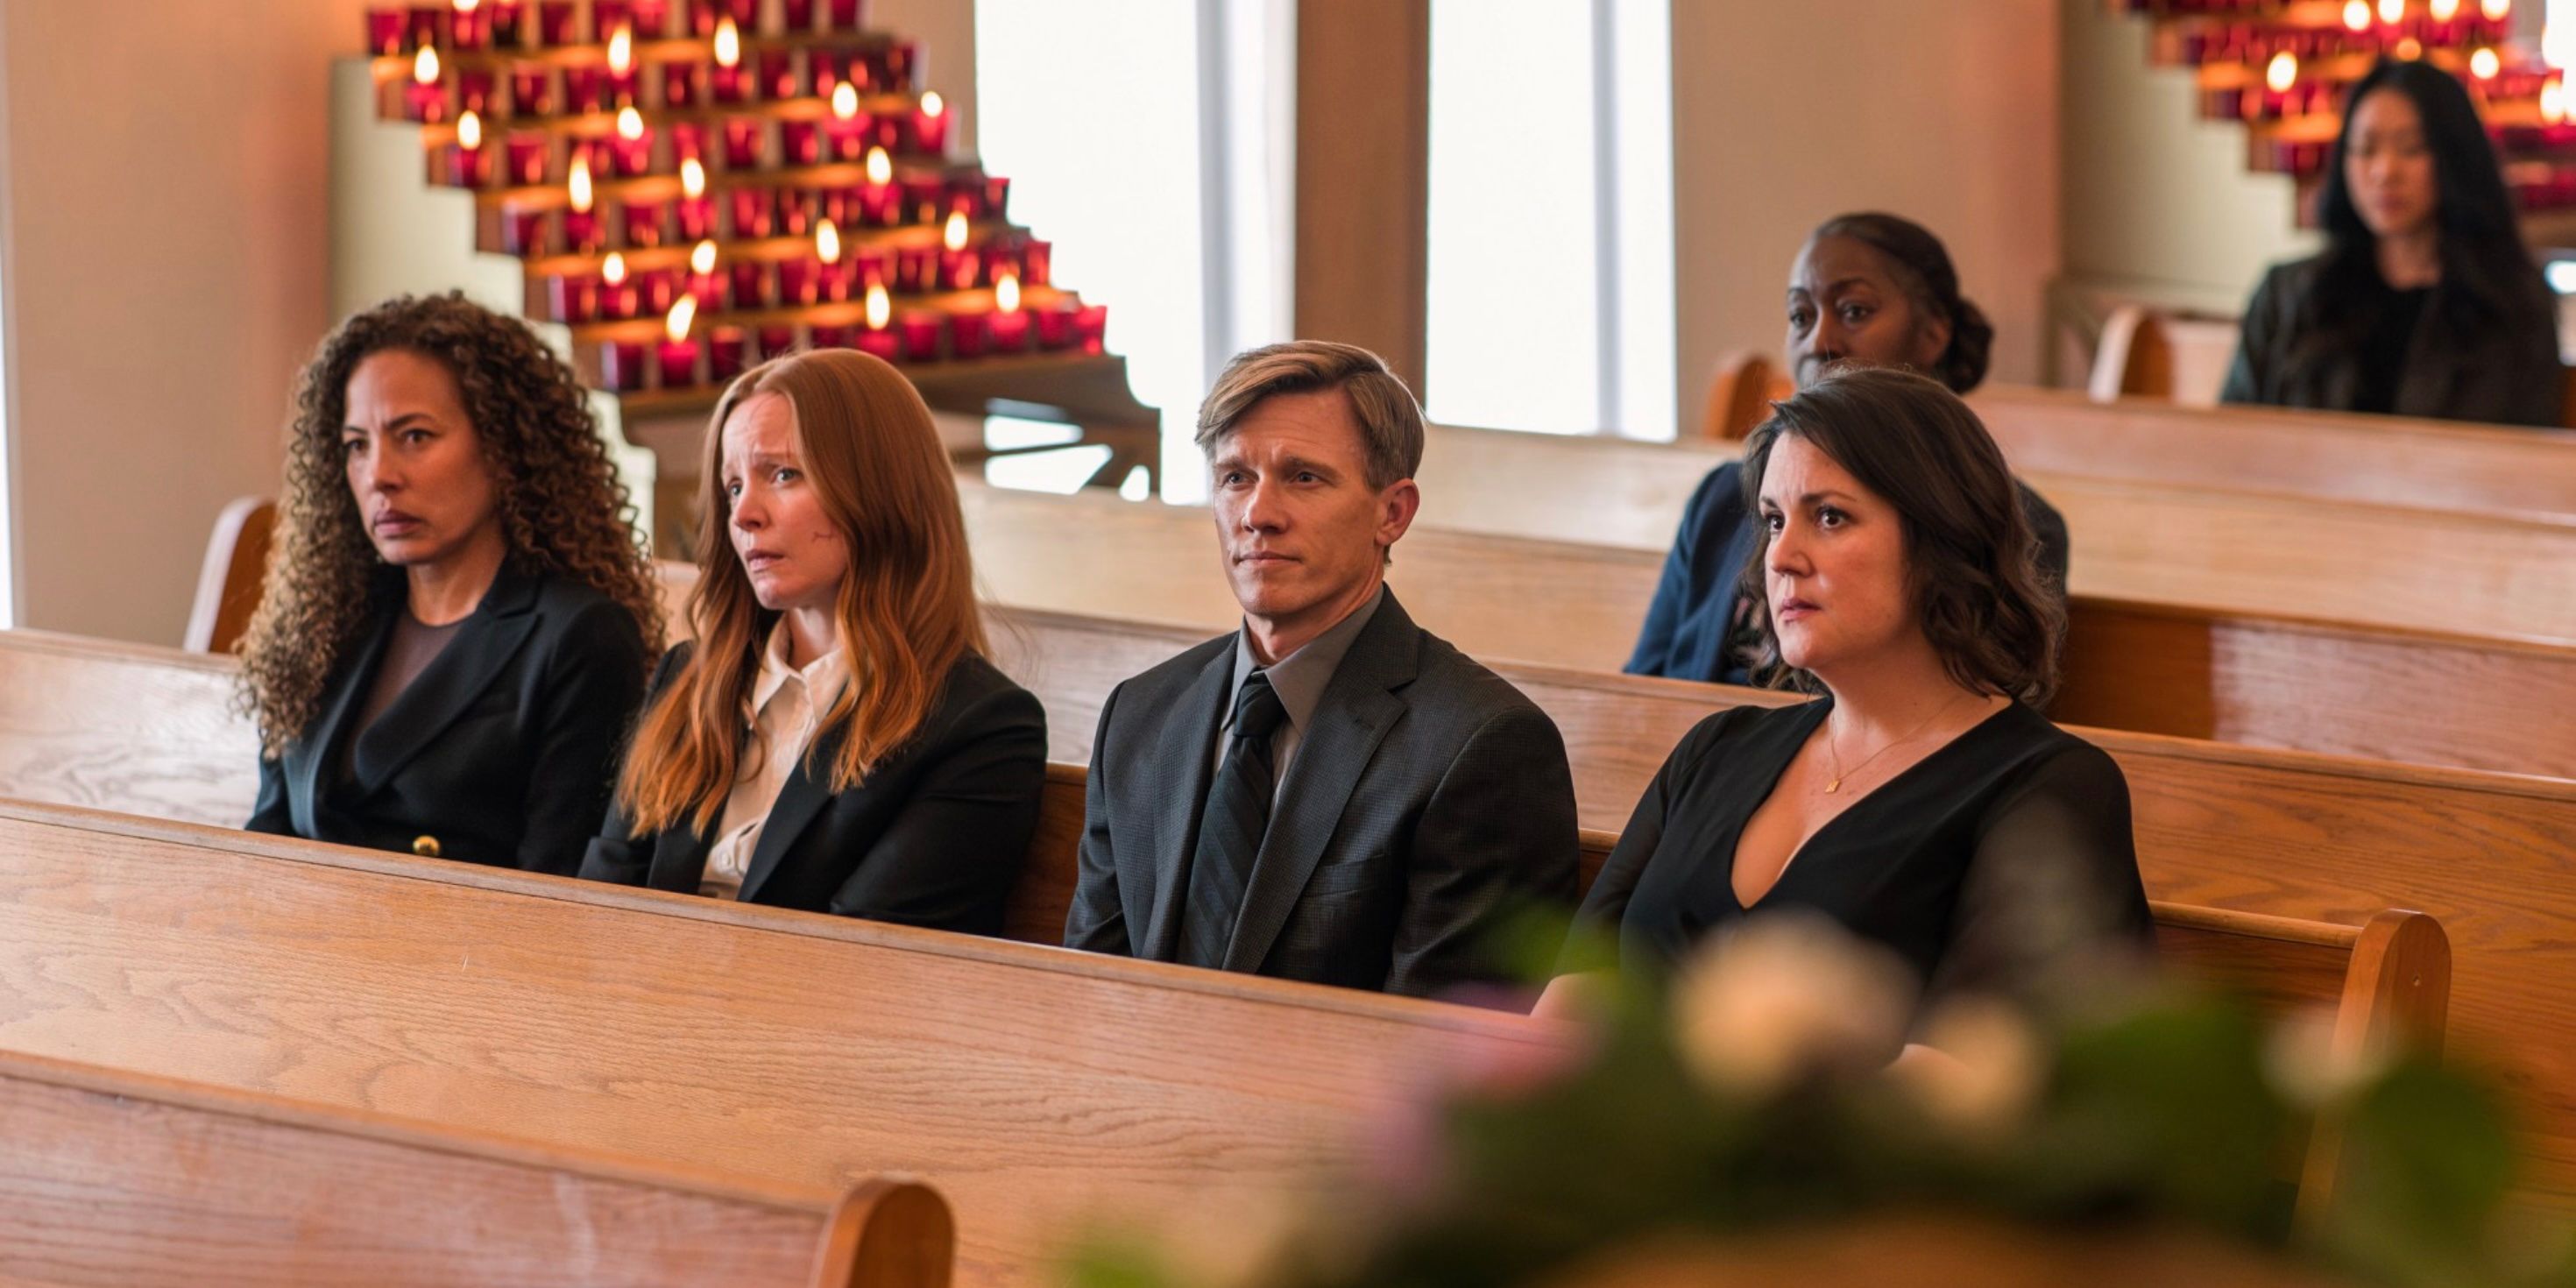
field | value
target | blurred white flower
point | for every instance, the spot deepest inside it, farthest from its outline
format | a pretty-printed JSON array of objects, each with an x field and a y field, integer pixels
[
  {"x": 1783, "y": 995},
  {"x": 1979, "y": 1068},
  {"x": 2301, "y": 1057}
]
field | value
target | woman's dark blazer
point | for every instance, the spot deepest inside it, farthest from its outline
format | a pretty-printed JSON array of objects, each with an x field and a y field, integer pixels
[
  {"x": 501, "y": 751},
  {"x": 2506, "y": 373},
  {"x": 936, "y": 835}
]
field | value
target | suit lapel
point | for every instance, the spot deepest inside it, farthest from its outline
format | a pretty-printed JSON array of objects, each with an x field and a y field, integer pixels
[
  {"x": 1359, "y": 706},
  {"x": 451, "y": 682},
  {"x": 312, "y": 756},
  {"x": 1181, "y": 770},
  {"x": 804, "y": 795}
]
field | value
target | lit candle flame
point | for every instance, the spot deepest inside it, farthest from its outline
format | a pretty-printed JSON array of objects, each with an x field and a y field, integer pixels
[
  {"x": 621, "y": 50},
  {"x": 2283, "y": 73},
  {"x": 880, "y": 167},
  {"x": 702, "y": 259},
  {"x": 2553, "y": 101},
  {"x": 880, "y": 309},
  {"x": 2495, "y": 10},
  {"x": 955, "y": 234},
  {"x": 2356, "y": 15},
  {"x": 683, "y": 313},
  {"x": 424, "y": 69},
  {"x": 1006, "y": 292},
  {"x": 2392, "y": 11},
  {"x": 932, "y": 104},
  {"x": 693, "y": 178},
  {"x": 468, "y": 6},
  {"x": 2484, "y": 64},
  {"x": 469, "y": 131},
  {"x": 2445, "y": 10},
  {"x": 613, "y": 271},
  {"x": 845, "y": 100},
  {"x": 728, "y": 44},
  {"x": 578, "y": 181},
  {"x": 630, "y": 124},
  {"x": 827, "y": 242},
  {"x": 2409, "y": 49}
]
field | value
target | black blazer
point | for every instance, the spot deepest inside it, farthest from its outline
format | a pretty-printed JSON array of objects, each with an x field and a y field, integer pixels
[
  {"x": 501, "y": 751},
  {"x": 2506, "y": 374},
  {"x": 1428, "y": 799},
  {"x": 936, "y": 835}
]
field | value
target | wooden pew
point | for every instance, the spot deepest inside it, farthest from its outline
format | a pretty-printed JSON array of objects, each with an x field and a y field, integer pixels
[
  {"x": 1038, "y": 1089},
  {"x": 124, "y": 1180},
  {"x": 2235, "y": 829},
  {"x": 2243, "y": 677}
]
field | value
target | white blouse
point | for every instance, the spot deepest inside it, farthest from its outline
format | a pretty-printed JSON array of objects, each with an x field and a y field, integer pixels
[{"x": 786, "y": 703}]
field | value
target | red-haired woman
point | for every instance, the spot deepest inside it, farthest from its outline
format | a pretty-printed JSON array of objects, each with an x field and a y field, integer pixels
[{"x": 832, "y": 739}]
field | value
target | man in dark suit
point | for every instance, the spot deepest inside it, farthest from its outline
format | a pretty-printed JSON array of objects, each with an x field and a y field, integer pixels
[{"x": 1330, "y": 793}]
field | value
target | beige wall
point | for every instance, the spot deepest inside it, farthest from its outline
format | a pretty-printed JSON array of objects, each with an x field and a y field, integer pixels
[
  {"x": 1785, "y": 114},
  {"x": 2159, "y": 203},
  {"x": 167, "y": 250}
]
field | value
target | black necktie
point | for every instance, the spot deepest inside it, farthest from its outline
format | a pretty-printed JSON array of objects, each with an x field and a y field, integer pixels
[{"x": 1230, "y": 826}]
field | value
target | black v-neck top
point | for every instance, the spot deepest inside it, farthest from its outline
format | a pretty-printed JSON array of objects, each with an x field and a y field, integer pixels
[{"x": 1988, "y": 866}]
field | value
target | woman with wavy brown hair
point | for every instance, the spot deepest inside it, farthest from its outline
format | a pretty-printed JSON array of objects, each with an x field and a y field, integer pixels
[
  {"x": 832, "y": 739},
  {"x": 458, "y": 615},
  {"x": 1922, "y": 801}
]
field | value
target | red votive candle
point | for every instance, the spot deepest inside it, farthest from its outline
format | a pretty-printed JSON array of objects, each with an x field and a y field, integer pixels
[
  {"x": 585, "y": 89},
  {"x": 777, "y": 342},
  {"x": 801, "y": 141},
  {"x": 605, "y": 16},
  {"x": 798, "y": 15},
  {"x": 583, "y": 234},
  {"x": 742, "y": 136},
  {"x": 921, "y": 330},
  {"x": 902, "y": 58},
  {"x": 968, "y": 334},
  {"x": 997, "y": 196},
  {"x": 660, "y": 288},
  {"x": 679, "y": 85},
  {"x": 824, "y": 69},
  {"x": 797, "y": 282},
  {"x": 845, "y": 15},
  {"x": 711, "y": 290},
  {"x": 1091, "y": 328},
  {"x": 880, "y": 205},
  {"x": 831, "y": 335},
  {"x": 469, "y": 163},
  {"x": 532, "y": 90},
  {"x": 429, "y": 25},
  {"x": 523, "y": 232},
  {"x": 630, "y": 149},
  {"x": 871, "y": 268},
  {"x": 878, "y": 341},
  {"x": 696, "y": 218},
  {"x": 702, "y": 17},
  {"x": 524, "y": 157},
  {"x": 425, "y": 92},
  {"x": 1001, "y": 259},
  {"x": 474, "y": 89},
  {"x": 750, "y": 284},
  {"x": 930, "y": 125},
  {"x": 470, "y": 28},
  {"x": 732, "y": 84},
  {"x": 509, "y": 23},
  {"x": 555, "y": 23},
  {"x": 618, "y": 297},
  {"x": 384, "y": 30},
  {"x": 795, "y": 217},
  {"x": 621, "y": 365},
  {"x": 679, "y": 362},
  {"x": 652, "y": 18},
  {"x": 725, "y": 348},
  {"x": 1055, "y": 326},
  {"x": 922, "y": 196},
  {"x": 643, "y": 222},
  {"x": 752, "y": 213},
  {"x": 744, "y": 12},
  {"x": 778, "y": 73},
  {"x": 1037, "y": 262},
  {"x": 916, "y": 269},
  {"x": 688, "y": 141},
  {"x": 572, "y": 297},
  {"x": 1010, "y": 328}
]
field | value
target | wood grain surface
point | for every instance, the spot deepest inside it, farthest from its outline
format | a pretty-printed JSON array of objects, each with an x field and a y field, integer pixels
[{"x": 1040, "y": 1090}]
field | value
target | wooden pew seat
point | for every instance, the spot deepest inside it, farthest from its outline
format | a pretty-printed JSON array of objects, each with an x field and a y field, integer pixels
[{"x": 123, "y": 1180}]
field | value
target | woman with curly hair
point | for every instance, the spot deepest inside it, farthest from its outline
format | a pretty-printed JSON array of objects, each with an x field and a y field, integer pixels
[
  {"x": 458, "y": 617},
  {"x": 832, "y": 739}
]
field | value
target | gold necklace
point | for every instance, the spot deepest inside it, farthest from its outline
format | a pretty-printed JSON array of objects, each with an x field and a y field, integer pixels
[{"x": 1836, "y": 756}]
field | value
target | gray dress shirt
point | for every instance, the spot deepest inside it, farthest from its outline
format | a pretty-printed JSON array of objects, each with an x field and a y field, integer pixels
[{"x": 1299, "y": 679}]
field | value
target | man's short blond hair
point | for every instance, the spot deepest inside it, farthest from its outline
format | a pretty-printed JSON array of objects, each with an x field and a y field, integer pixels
[{"x": 1390, "y": 422}]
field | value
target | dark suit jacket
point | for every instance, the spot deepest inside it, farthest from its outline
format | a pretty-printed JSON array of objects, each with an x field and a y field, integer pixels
[
  {"x": 501, "y": 751},
  {"x": 935, "y": 835},
  {"x": 2507, "y": 373},
  {"x": 1688, "y": 624},
  {"x": 1427, "y": 798}
]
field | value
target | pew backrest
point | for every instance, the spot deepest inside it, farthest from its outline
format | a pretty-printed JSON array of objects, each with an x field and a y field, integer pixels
[
  {"x": 229, "y": 582},
  {"x": 124, "y": 1180}
]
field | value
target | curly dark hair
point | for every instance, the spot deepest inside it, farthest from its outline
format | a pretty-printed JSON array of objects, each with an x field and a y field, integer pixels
[
  {"x": 1970, "y": 553},
  {"x": 562, "y": 510}
]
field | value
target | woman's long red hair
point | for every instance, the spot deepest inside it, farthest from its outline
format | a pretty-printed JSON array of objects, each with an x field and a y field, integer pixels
[{"x": 906, "y": 610}]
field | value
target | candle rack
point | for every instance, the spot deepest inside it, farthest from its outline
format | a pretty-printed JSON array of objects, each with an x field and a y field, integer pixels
[
  {"x": 2284, "y": 69},
  {"x": 691, "y": 187}
]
